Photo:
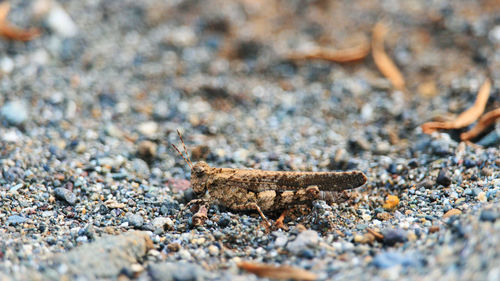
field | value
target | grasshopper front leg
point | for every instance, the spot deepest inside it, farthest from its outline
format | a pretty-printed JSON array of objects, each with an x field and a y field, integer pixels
[{"x": 190, "y": 203}]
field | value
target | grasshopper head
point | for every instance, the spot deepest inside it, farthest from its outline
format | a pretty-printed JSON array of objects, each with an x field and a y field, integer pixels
[{"x": 199, "y": 177}]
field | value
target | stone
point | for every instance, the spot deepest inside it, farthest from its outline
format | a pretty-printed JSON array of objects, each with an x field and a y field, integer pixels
[
  {"x": 386, "y": 260},
  {"x": 384, "y": 216},
  {"x": 391, "y": 202},
  {"x": 305, "y": 240},
  {"x": 140, "y": 167},
  {"x": 146, "y": 150},
  {"x": 452, "y": 212},
  {"x": 102, "y": 259},
  {"x": 148, "y": 129},
  {"x": 65, "y": 195},
  {"x": 15, "y": 112},
  {"x": 281, "y": 240},
  {"x": 173, "y": 247},
  {"x": 59, "y": 21},
  {"x": 136, "y": 221},
  {"x": 488, "y": 215},
  {"x": 443, "y": 178},
  {"x": 393, "y": 236},
  {"x": 162, "y": 223},
  {"x": 178, "y": 271},
  {"x": 494, "y": 34},
  {"x": 16, "y": 219},
  {"x": 481, "y": 197},
  {"x": 213, "y": 250}
]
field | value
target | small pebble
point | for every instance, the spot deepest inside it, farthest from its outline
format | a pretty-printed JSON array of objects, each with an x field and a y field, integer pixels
[
  {"x": 147, "y": 150},
  {"x": 173, "y": 247},
  {"x": 367, "y": 238},
  {"x": 136, "y": 221},
  {"x": 384, "y": 216},
  {"x": 16, "y": 219},
  {"x": 65, "y": 195},
  {"x": 443, "y": 178},
  {"x": 148, "y": 129},
  {"x": 213, "y": 250},
  {"x": 304, "y": 240},
  {"x": 59, "y": 21},
  {"x": 481, "y": 197},
  {"x": 391, "y": 202},
  {"x": 161, "y": 224},
  {"x": 386, "y": 260},
  {"x": 452, "y": 212},
  {"x": 15, "y": 112},
  {"x": 488, "y": 215},
  {"x": 393, "y": 236}
]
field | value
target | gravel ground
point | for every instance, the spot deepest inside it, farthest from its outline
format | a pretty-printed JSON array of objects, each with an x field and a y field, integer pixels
[{"x": 90, "y": 189}]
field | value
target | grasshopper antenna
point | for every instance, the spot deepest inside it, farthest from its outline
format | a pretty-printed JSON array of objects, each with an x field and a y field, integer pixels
[
  {"x": 185, "y": 149},
  {"x": 186, "y": 158}
]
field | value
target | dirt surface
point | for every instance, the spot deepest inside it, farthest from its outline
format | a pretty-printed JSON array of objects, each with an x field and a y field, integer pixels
[{"x": 90, "y": 108}]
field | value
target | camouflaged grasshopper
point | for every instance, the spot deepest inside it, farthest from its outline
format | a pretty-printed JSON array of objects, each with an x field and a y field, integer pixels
[{"x": 245, "y": 189}]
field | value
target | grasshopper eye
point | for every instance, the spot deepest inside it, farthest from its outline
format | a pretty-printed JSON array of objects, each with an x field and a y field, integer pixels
[{"x": 200, "y": 168}]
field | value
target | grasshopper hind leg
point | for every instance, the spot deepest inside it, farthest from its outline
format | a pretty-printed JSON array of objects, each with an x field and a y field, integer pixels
[{"x": 251, "y": 206}]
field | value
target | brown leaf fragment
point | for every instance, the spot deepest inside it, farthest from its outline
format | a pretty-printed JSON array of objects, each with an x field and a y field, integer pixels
[
  {"x": 351, "y": 54},
  {"x": 283, "y": 272},
  {"x": 484, "y": 122},
  {"x": 379, "y": 236},
  {"x": 382, "y": 60},
  {"x": 465, "y": 118},
  {"x": 12, "y": 32}
]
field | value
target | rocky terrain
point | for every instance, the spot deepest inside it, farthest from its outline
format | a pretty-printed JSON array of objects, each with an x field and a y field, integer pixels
[{"x": 90, "y": 188}]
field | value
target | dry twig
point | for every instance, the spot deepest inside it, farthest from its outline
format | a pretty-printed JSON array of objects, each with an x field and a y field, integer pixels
[
  {"x": 382, "y": 60},
  {"x": 465, "y": 118},
  {"x": 484, "y": 122},
  {"x": 283, "y": 272},
  {"x": 379, "y": 236},
  {"x": 12, "y": 32},
  {"x": 351, "y": 54}
]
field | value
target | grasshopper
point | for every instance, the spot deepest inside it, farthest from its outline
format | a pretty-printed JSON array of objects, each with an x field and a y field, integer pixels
[{"x": 262, "y": 191}]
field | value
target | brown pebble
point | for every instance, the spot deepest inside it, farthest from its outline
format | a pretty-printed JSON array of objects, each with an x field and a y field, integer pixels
[
  {"x": 452, "y": 212},
  {"x": 110, "y": 230},
  {"x": 200, "y": 153},
  {"x": 391, "y": 202},
  {"x": 367, "y": 238},
  {"x": 427, "y": 184},
  {"x": 301, "y": 227},
  {"x": 487, "y": 172},
  {"x": 146, "y": 150},
  {"x": 384, "y": 216},
  {"x": 408, "y": 212},
  {"x": 433, "y": 229},
  {"x": 173, "y": 247}
]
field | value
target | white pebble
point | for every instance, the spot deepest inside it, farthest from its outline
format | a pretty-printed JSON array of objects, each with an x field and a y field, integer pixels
[
  {"x": 494, "y": 34},
  {"x": 6, "y": 65},
  {"x": 59, "y": 21}
]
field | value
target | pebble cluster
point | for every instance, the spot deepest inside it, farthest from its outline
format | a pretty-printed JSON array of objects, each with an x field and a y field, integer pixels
[{"x": 91, "y": 189}]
